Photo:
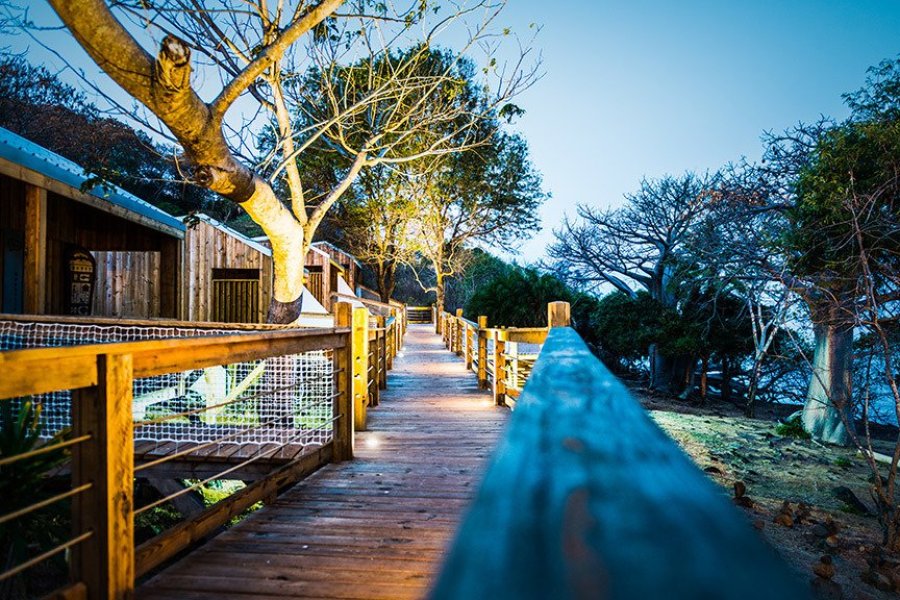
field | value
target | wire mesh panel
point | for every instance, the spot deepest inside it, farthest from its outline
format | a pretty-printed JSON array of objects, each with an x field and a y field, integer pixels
[{"x": 280, "y": 400}]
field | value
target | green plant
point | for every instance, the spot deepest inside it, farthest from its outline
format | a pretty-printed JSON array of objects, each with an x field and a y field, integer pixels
[
  {"x": 792, "y": 427},
  {"x": 28, "y": 481}
]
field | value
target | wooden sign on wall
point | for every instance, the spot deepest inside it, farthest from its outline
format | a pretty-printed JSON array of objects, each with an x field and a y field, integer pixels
[{"x": 81, "y": 272}]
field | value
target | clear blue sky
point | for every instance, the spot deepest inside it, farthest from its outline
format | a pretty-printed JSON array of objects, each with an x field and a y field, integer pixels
[{"x": 649, "y": 87}]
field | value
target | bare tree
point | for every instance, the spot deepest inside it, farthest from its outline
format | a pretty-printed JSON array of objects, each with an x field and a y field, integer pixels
[
  {"x": 256, "y": 51},
  {"x": 636, "y": 247}
]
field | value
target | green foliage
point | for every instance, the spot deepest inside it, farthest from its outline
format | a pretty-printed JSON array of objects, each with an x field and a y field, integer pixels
[
  {"x": 850, "y": 161},
  {"x": 792, "y": 427},
  {"x": 27, "y": 481},
  {"x": 626, "y": 326},
  {"x": 517, "y": 298}
]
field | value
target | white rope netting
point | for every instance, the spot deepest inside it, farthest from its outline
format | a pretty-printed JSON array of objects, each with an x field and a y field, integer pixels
[{"x": 285, "y": 400}]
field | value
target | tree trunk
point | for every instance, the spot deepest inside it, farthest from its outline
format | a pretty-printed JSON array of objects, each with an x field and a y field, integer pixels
[
  {"x": 439, "y": 300},
  {"x": 667, "y": 373},
  {"x": 750, "y": 407},
  {"x": 726, "y": 380},
  {"x": 386, "y": 280},
  {"x": 704, "y": 378},
  {"x": 827, "y": 414}
]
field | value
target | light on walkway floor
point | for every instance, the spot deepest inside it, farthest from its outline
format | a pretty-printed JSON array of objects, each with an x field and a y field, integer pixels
[{"x": 372, "y": 442}]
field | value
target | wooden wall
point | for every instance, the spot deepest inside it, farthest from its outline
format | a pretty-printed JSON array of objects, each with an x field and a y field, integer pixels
[
  {"x": 207, "y": 248},
  {"x": 317, "y": 260},
  {"x": 128, "y": 284},
  {"x": 69, "y": 222},
  {"x": 351, "y": 270}
]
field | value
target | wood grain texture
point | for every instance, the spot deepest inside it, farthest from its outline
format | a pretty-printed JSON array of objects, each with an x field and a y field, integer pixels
[
  {"x": 35, "y": 270},
  {"x": 207, "y": 248},
  {"x": 587, "y": 498},
  {"x": 376, "y": 527}
]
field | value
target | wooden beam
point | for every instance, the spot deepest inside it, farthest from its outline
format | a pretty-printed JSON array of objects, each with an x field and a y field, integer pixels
[
  {"x": 558, "y": 314},
  {"x": 343, "y": 403},
  {"x": 105, "y": 561},
  {"x": 467, "y": 346},
  {"x": 482, "y": 351},
  {"x": 605, "y": 504},
  {"x": 359, "y": 342},
  {"x": 499, "y": 387},
  {"x": 35, "y": 292}
]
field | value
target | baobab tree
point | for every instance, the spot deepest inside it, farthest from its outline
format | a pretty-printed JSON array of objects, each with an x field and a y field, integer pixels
[
  {"x": 636, "y": 247},
  {"x": 258, "y": 51}
]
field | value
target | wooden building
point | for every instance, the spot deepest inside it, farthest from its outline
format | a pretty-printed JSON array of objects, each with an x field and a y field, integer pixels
[
  {"x": 347, "y": 267},
  {"x": 227, "y": 276},
  {"x": 69, "y": 251}
]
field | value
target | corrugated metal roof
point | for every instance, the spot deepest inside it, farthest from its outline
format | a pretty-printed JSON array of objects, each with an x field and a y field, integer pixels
[{"x": 21, "y": 151}]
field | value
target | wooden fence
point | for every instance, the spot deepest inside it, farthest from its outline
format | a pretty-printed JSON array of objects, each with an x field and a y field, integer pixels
[
  {"x": 102, "y": 557},
  {"x": 495, "y": 353},
  {"x": 420, "y": 314},
  {"x": 586, "y": 497}
]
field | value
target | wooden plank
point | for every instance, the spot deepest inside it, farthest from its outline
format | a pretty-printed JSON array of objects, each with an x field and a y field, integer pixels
[
  {"x": 482, "y": 352},
  {"x": 374, "y": 527},
  {"x": 35, "y": 273},
  {"x": 359, "y": 342},
  {"x": 342, "y": 359},
  {"x": 105, "y": 562},
  {"x": 605, "y": 504},
  {"x": 498, "y": 384}
]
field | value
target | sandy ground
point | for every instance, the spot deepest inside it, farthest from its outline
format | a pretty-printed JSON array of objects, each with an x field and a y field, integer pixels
[{"x": 776, "y": 469}]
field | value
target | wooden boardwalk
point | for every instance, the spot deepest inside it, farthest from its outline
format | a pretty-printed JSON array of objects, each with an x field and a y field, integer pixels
[{"x": 376, "y": 527}]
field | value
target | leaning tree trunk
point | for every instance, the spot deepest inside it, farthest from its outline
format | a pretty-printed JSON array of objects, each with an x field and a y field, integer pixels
[
  {"x": 826, "y": 413},
  {"x": 163, "y": 84}
]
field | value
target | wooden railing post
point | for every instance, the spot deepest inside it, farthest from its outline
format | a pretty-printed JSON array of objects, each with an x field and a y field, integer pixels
[
  {"x": 360, "y": 346},
  {"x": 343, "y": 404},
  {"x": 467, "y": 346},
  {"x": 373, "y": 366},
  {"x": 390, "y": 342},
  {"x": 105, "y": 561},
  {"x": 460, "y": 330},
  {"x": 381, "y": 344},
  {"x": 482, "y": 352},
  {"x": 499, "y": 367},
  {"x": 558, "y": 314},
  {"x": 437, "y": 315}
]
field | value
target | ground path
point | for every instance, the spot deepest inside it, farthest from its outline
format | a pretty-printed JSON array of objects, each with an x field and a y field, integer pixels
[{"x": 376, "y": 527}]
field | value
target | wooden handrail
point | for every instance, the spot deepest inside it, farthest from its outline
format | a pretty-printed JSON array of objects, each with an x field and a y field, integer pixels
[
  {"x": 101, "y": 378},
  {"x": 152, "y": 322},
  {"x": 456, "y": 331},
  {"x": 75, "y": 366},
  {"x": 605, "y": 504}
]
